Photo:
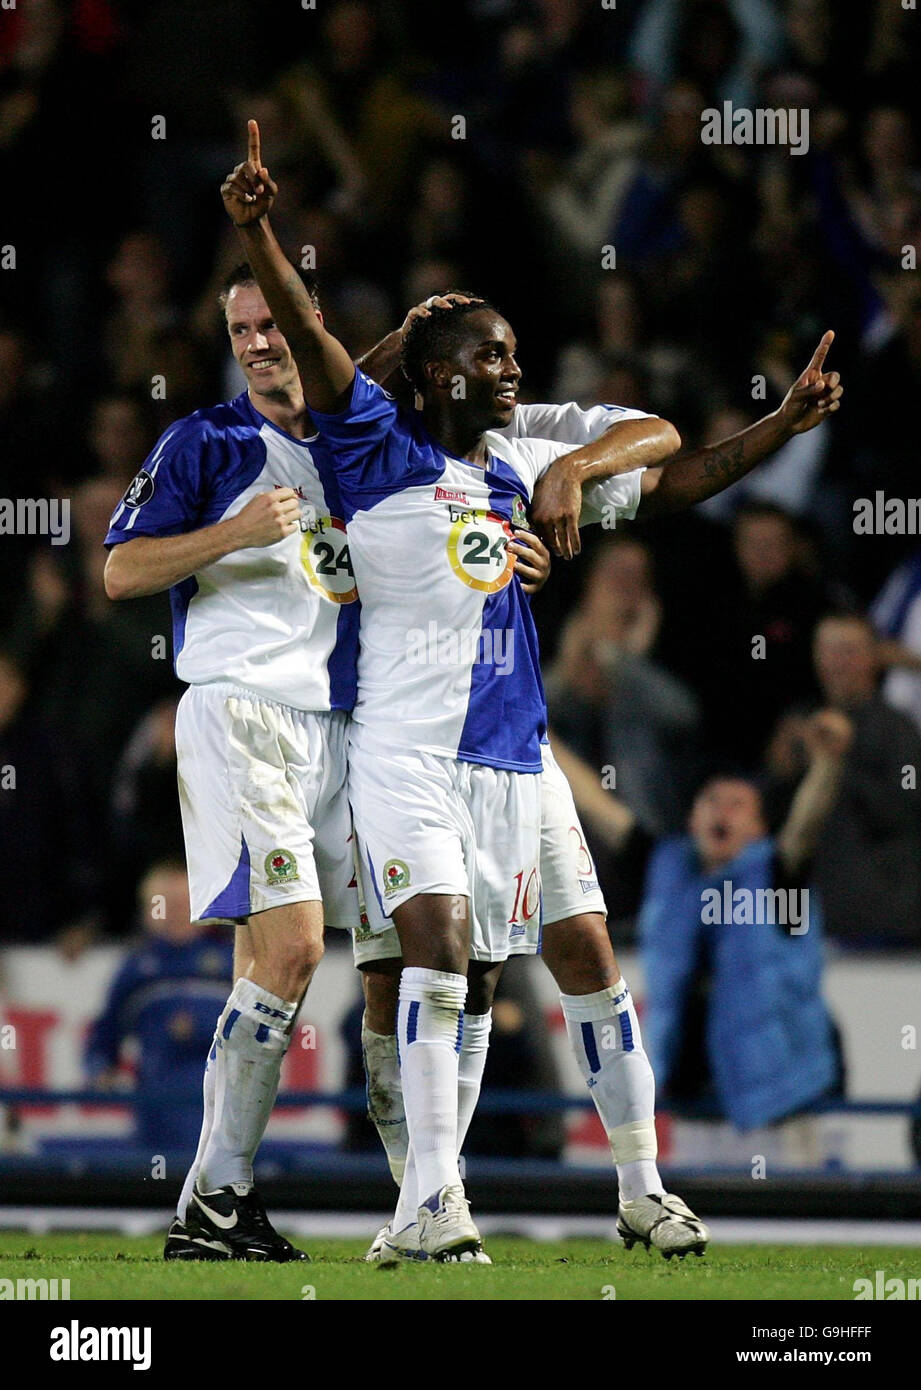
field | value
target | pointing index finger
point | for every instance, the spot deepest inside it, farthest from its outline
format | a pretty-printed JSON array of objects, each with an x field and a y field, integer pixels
[
  {"x": 255, "y": 156},
  {"x": 818, "y": 357}
]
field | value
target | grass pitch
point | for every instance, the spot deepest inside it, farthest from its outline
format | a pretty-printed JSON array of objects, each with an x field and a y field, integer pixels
[{"x": 112, "y": 1267}]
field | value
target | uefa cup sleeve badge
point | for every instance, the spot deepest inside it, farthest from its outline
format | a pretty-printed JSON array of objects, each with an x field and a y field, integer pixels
[{"x": 140, "y": 490}]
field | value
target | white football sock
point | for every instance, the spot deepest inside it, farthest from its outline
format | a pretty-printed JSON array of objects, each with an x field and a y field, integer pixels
[
  {"x": 605, "y": 1035},
  {"x": 385, "y": 1096},
  {"x": 472, "y": 1060},
  {"x": 430, "y": 1022},
  {"x": 207, "y": 1121},
  {"x": 252, "y": 1038},
  {"x": 409, "y": 1201}
]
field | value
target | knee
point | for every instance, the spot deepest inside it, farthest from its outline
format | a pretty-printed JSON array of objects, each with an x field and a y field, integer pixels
[
  {"x": 579, "y": 954},
  {"x": 449, "y": 960},
  {"x": 382, "y": 993},
  {"x": 292, "y": 962},
  {"x": 481, "y": 988},
  {"x": 308, "y": 955},
  {"x": 434, "y": 933}
]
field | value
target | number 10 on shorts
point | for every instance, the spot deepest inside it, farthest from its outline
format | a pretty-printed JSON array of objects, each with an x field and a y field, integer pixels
[{"x": 527, "y": 896}]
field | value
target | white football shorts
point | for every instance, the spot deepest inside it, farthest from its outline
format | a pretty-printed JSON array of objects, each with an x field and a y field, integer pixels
[
  {"x": 569, "y": 883},
  {"x": 265, "y": 813},
  {"x": 430, "y": 824}
]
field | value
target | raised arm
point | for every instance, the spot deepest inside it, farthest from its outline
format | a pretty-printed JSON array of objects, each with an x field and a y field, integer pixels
[
  {"x": 694, "y": 477},
  {"x": 609, "y": 817},
  {"x": 828, "y": 736},
  {"x": 325, "y": 368}
]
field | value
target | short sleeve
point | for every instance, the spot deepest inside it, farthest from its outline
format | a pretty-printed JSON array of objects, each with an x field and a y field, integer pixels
[
  {"x": 530, "y": 458},
  {"x": 165, "y": 498},
  {"x": 569, "y": 424},
  {"x": 612, "y": 499},
  {"x": 359, "y": 430}
]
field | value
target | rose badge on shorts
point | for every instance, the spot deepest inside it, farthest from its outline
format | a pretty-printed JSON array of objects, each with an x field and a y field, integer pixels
[
  {"x": 396, "y": 876},
  {"x": 281, "y": 866}
]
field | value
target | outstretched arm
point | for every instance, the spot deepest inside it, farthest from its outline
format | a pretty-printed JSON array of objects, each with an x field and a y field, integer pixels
[
  {"x": 325, "y": 368},
  {"x": 694, "y": 477},
  {"x": 625, "y": 447}
]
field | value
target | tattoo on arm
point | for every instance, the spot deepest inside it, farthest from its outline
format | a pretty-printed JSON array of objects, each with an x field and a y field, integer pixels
[
  {"x": 296, "y": 289},
  {"x": 726, "y": 462}
]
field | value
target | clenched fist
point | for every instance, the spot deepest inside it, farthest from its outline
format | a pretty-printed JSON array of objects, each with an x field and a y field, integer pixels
[
  {"x": 267, "y": 518},
  {"x": 829, "y": 734}
]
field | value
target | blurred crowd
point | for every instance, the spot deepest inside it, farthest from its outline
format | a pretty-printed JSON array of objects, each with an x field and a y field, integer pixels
[{"x": 509, "y": 147}]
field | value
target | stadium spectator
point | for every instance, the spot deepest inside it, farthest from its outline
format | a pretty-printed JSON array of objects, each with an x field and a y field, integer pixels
[
  {"x": 694, "y": 962},
  {"x": 165, "y": 1000},
  {"x": 897, "y": 616},
  {"x": 767, "y": 620},
  {"x": 731, "y": 941},
  {"x": 20, "y": 412},
  {"x": 144, "y": 809},
  {"x": 721, "y": 45},
  {"x": 581, "y": 199},
  {"x": 617, "y": 338},
  {"x": 39, "y": 822},
  {"x": 612, "y": 702},
  {"x": 94, "y": 667},
  {"x": 138, "y": 277},
  {"x": 882, "y": 458},
  {"x": 119, "y": 432},
  {"x": 868, "y": 863},
  {"x": 355, "y": 104}
]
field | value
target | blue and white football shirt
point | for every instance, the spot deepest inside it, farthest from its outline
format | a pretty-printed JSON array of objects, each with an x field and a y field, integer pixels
[
  {"x": 280, "y": 620},
  {"x": 448, "y": 660}
]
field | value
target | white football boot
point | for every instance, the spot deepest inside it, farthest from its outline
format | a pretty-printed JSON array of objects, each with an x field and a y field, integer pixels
[
  {"x": 663, "y": 1222},
  {"x": 389, "y": 1249},
  {"x": 446, "y": 1229}
]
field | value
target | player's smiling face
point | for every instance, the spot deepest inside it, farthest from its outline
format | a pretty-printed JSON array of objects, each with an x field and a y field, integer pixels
[
  {"x": 257, "y": 345},
  {"x": 485, "y": 358}
]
